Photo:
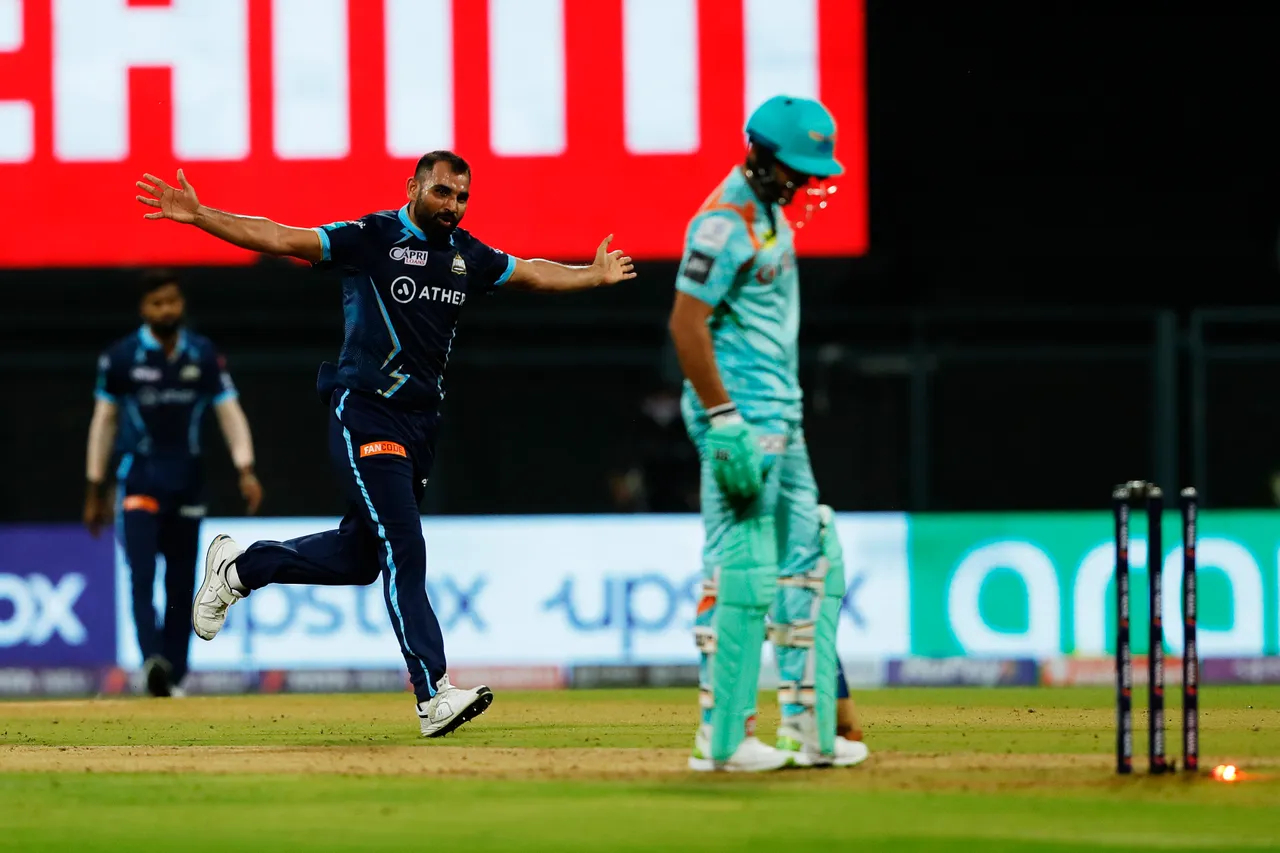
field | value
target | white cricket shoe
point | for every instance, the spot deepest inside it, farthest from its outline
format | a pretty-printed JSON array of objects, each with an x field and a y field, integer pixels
[
  {"x": 215, "y": 594},
  {"x": 751, "y": 756},
  {"x": 798, "y": 735},
  {"x": 451, "y": 707}
]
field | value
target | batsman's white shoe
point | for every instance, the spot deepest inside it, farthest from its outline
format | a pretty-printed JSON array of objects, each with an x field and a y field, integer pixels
[
  {"x": 798, "y": 736},
  {"x": 751, "y": 756},
  {"x": 215, "y": 594},
  {"x": 451, "y": 707}
]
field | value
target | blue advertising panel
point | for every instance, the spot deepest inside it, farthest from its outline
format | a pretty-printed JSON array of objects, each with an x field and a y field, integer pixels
[{"x": 57, "y": 597}]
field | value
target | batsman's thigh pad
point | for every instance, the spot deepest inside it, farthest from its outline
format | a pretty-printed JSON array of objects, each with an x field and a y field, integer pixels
[
  {"x": 807, "y": 613},
  {"x": 749, "y": 564},
  {"x": 744, "y": 586}
]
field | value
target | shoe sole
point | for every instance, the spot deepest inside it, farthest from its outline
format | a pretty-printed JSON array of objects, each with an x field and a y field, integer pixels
[
  {"x": 484, "y": 698},
  {"x": 158, "y": 681},
  {"x": 204, "y": 585},
  {"x": 804, "y": 759},
  {"x": 707, "y": 765},
  {"x": 851, "y": 762}
]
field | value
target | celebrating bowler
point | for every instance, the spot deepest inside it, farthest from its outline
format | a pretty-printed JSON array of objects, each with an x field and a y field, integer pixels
[{"x": 407, "y": 275}]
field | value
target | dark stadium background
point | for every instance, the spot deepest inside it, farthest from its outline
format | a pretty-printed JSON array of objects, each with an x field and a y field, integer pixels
[{"x": 1074, "y": 220}]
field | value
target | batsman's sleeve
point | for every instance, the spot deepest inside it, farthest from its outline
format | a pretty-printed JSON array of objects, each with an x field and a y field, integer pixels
[
  {"x": 717, "y": 248},
  {"x": 348, "y": 243}
]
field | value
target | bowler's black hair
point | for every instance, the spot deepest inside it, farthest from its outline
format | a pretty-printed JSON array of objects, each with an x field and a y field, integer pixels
[{"x": 428, "y": 161}]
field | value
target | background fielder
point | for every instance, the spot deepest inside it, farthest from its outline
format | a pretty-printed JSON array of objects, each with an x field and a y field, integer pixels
[
  {"x": 770, "y": 547},
  {"x": 164, "y": 378}
]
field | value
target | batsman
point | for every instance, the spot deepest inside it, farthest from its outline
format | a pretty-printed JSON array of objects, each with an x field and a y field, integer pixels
[{"x": 771, "y": 549}]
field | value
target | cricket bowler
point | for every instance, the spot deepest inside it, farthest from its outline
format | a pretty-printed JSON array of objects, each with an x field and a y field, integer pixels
[
  {"x": 771, "y": 549},
  {"x": 406, "y": 276}
]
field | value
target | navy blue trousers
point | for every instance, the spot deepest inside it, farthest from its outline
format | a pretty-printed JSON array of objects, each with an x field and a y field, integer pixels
[
  {"x": 156, "y": 519},
  {"x": 383, "y": 457}
]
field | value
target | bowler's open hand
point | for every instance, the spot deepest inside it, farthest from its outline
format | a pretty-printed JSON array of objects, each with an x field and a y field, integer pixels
[{"x": 177, "y": 203}]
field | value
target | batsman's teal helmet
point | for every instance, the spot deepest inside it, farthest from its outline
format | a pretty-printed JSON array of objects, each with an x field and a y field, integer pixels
[{"x": 799, "y": 132}]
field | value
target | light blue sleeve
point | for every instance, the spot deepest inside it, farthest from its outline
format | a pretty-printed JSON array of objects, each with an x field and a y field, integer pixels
[{"x": 717, "y": 247}]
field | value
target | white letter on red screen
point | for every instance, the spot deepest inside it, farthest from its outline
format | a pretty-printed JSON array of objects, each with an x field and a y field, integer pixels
[
  {"x": 419, "y": 73},
  {"x": 95, "y": 44},
  {"x": 310, "y": 69},
  {"x": 661, "y": 69},
  {"x": 17, "y": 122},
  {"x": 526, "y": 77},
  {"x": 781, "y": 49}
]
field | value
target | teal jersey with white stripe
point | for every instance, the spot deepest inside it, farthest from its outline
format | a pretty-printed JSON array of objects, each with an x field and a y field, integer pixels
[{"x": 743, "y": 264}]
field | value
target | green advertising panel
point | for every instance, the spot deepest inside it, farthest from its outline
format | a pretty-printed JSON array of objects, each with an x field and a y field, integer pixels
[{"x": 1042, "y": 584}]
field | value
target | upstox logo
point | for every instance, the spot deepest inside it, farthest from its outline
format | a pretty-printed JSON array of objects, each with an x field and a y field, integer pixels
[{"x": 33, "y": 609}]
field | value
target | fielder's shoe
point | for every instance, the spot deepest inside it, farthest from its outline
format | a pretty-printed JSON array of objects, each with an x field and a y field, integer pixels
[
  {"x": 751, "y": 756},
  {"x": 451, "y": 707},
  {"x": 215, "y": 594},
  {"x": 157, "y": 672},
  {"x": 798, "y": 735}
]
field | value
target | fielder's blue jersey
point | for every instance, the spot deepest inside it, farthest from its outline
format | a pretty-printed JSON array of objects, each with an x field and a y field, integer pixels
[
  {"x": 402, "y": 295},
  {"x": 742, "y": 262},
  {"x": 162, "y": 400}
]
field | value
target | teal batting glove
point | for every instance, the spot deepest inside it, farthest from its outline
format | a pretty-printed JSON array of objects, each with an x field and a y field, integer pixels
[{"x": 736, "y": 461}]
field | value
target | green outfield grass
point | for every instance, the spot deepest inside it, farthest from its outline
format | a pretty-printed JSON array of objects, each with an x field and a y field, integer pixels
[{"x": 991, "y": 770}]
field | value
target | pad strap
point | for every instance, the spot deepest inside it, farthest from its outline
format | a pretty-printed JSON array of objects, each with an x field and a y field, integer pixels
[
  {"x": 815, "y": 579},
  {"x": 798, "y": 634},
  {"x": 797, "y": 693}
]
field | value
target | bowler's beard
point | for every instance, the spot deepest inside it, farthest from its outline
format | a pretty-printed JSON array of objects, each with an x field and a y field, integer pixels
[
  {"x": 166, "y": 328},
  {"x": 434, "y": 225}
]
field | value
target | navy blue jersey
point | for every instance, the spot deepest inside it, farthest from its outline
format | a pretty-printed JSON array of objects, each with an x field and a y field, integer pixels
[
  {"x": 402, "y": 294},
  {"x": 162, "y": 400}
]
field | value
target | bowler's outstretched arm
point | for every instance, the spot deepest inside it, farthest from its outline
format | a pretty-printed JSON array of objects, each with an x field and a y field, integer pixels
[{"x": 254, "y": 233}]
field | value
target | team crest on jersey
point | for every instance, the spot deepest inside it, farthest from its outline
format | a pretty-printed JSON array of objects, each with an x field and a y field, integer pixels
[
  {"x": 713, "y": 233},
  {"x": 459, "y": 266},
  {"x": 190, "y": 373},
  {"x": 412, "y": 257}
]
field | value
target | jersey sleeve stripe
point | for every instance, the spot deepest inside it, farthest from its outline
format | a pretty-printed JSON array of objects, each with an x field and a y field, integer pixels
[
  {"x": 511, "y": 267},
  {"x": 324, "y": 243}
]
